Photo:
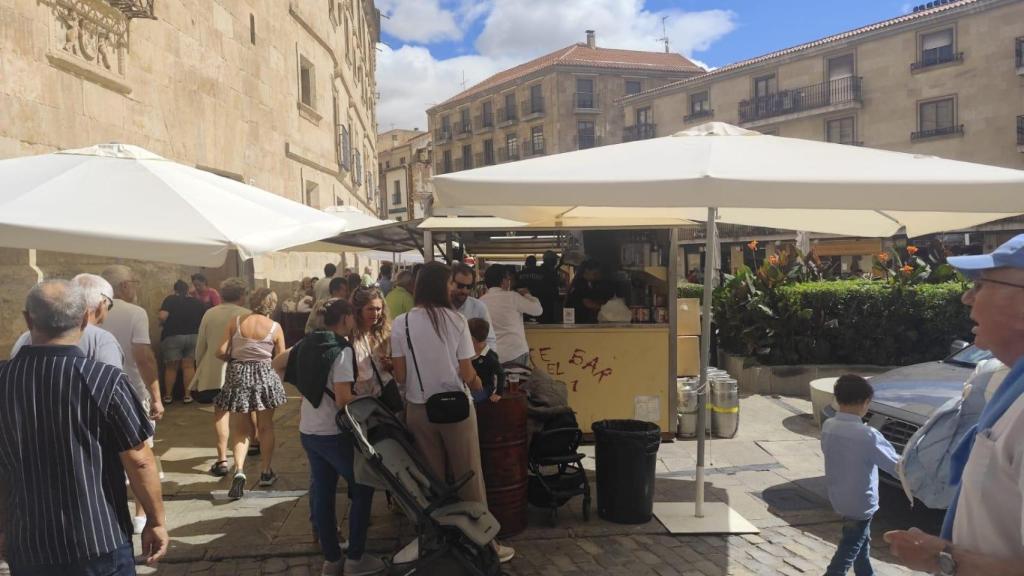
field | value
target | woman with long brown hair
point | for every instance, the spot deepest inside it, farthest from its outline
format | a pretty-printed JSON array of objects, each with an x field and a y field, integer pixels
[
  {"x": 251, "y": 384},
  {"x": 432, "y": 355},
  {"x": 371, "y": 340}
]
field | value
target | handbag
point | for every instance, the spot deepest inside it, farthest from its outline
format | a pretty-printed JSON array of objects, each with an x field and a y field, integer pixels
[
  {"x": 443, "y": 407},
  {"x": 390, "y": 395}
]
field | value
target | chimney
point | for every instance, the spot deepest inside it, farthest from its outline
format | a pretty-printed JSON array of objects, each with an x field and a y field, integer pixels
[{"x": 591, "y": 39}]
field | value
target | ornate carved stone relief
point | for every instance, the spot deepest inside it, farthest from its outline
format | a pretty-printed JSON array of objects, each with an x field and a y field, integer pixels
[{"x": 90, "y": 38}]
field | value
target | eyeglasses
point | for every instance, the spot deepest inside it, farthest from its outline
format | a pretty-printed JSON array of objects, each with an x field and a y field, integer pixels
[
  {"x": 982, "y": 281},
  {"x": 462, "y": 286},
  {"x": 110, "y": 303}
]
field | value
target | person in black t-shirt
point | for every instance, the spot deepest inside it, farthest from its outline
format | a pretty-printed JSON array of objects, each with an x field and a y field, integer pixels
[
  {"x": 486, "y": 363},
  {"x": 180, "y": 316},
  {"x": 588, "y": 292}
]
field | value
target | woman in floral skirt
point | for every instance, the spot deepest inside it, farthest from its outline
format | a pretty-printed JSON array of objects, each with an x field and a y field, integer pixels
[{"x": 251, "y": 385}]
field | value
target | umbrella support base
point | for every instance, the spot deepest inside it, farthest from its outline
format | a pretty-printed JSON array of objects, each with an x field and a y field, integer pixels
[{"x": 719, "y": 518}]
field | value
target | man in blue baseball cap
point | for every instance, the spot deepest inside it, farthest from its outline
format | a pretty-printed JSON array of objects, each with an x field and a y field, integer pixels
[{"x": 983, "y": 533}]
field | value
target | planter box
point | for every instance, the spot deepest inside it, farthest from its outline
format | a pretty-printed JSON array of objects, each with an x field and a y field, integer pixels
[{"x": 756, "y": 378}]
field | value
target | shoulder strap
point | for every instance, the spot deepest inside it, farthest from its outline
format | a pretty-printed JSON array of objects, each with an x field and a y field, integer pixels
[
  {"x": 408, "y": 340},
  {"x": 373, "y": 365},
  {"x": 329, "y": 389}
]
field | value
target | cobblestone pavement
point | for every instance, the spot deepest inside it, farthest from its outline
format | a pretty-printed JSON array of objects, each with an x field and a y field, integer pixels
[{"x": 771, "y": 473}]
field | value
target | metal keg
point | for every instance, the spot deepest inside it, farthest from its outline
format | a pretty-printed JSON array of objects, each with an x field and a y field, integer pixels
[
  {"x": 725, "y": 407},
  {"x": 687, "y": 410}
]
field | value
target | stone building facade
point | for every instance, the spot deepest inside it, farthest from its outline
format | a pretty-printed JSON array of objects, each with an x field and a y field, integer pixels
[
  {"x": 561, "y": 101},
  {"x": 279, "y": 94},
  {"x": 947, "y": 79},
  {"x": 405, "y": 171}
]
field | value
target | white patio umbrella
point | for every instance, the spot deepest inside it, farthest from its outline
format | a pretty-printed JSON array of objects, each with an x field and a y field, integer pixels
[
  {"x": 126, "y": 202},
  {"x": 719, "y": 172}
]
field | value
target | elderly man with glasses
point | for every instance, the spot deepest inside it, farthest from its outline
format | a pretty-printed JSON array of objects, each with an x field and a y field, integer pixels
[
  {"x": 983, "y": 532},
  {"x": 96, "y": 343}
]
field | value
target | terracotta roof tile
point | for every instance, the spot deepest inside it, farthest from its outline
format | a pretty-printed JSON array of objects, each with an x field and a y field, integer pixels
[
  {"x": 952, "y": 5},
  {"x": 581, "y": 55}
]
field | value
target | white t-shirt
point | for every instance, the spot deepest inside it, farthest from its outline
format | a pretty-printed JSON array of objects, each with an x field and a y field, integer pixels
[
  {"x": 438, "y": 358},
  {"x": 507, "y": 309},
  {"x": 130, "y": 325},
  {"x": 990, "y": 511},
  {"x": 366, "y": 383},
  {"x": 320, "y": 421},
  {"x": 96, "y": 343}
]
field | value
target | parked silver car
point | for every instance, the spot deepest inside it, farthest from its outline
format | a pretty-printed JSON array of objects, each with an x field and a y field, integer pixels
[{"x": 907, "y": 396}]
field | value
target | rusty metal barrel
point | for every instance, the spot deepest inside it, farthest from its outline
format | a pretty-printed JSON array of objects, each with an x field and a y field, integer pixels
[{"x": 502, "y": 427}]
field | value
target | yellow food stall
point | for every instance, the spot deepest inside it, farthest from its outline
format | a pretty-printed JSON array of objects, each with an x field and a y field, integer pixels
[{"x": 612, "y": 370}]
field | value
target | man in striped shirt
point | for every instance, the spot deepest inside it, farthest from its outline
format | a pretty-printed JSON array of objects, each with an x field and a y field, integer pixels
[{"x": 70, "y": 428}]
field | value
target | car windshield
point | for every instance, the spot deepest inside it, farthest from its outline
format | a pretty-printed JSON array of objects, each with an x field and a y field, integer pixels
[{"x": 969, "y": 356}]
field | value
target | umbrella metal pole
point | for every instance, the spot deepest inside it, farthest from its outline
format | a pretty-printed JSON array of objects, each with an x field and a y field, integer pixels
[{"x": 705, "y": 356}]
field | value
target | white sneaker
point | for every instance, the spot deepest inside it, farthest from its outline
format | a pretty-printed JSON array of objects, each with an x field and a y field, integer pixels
[
  {"x": 332, "y": 568},
  {"x": 505, "y": 553},
  {"x": 365, "y": 566},
  {"x": 138, "y": 523}
]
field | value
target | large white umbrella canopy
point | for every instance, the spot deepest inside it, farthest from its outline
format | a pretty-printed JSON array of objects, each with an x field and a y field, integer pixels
[
  {"x": 123, "y": 201},
  {"x": 752, "y": 179},
  {"x": 719, "y": 172}
]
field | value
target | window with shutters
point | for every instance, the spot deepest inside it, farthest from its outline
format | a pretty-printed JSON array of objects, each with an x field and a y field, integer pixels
[
  {"x": 841, "y": 131},
  {"x": 935, "y": 48},
  {"x": 937, "y": 118}
]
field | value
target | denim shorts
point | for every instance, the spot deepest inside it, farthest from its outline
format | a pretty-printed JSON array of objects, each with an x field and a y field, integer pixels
[{"x": 174, "y": 348}]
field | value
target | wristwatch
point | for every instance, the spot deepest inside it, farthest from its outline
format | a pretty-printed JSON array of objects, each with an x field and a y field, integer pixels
[{"x": 947, "y": 565}]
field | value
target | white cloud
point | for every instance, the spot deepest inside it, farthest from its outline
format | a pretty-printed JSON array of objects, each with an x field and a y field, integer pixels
[
  {"x": 411, "y": 79},
  {"x": 422, "y": 21}
]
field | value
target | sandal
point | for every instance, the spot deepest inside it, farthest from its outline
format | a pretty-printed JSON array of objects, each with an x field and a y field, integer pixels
[
  {"x": 219, "y": 468},
  {"x": 168, "y": 399},
  {"x": 187, "y": 399}
]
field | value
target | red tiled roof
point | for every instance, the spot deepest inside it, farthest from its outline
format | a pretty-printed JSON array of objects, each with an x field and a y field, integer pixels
[
  {"x": 953, "y": 5},
  {"x": 582, "y": 55}
]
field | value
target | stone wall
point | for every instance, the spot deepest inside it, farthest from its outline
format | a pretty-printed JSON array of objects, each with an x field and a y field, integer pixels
[{"x": 214, "y": 84}]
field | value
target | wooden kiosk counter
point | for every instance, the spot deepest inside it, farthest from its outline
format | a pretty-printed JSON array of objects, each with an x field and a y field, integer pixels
[{"x": 612, "y": 371}]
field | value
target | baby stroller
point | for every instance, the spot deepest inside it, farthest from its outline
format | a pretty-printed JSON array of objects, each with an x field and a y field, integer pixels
[
  {"x": 555, "y": 466},
  {"x": 454, "y": 536}
]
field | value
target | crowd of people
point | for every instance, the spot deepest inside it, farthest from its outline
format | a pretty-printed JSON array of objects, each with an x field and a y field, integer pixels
[{"x": 82, "y": 397}]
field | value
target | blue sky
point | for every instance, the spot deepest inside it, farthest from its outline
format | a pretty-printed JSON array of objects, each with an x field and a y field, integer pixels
[{"x": 430, "y": 45}]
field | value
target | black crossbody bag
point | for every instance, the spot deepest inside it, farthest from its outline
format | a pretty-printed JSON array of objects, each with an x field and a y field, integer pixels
[
  {"x": 443, "y": 407},
  {"x": 390, "y": 395}
]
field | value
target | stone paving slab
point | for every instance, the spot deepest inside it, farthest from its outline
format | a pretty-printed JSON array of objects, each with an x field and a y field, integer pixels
[{"x": 776, "y": 452}]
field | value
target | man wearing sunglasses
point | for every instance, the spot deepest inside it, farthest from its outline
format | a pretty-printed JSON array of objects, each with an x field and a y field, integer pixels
[
  {"x": 96, "y": 343},
  {"x": 983, "y": 531},
  {"x": 463, "y": 281}
]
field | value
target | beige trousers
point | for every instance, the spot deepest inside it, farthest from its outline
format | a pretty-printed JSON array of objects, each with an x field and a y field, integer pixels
[{"x": 451, "y": 450}]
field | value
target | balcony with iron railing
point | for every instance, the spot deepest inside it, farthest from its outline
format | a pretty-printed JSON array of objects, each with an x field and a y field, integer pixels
[
  {"x": 698, "y": 115},
  {"x": 533, "y": 106},
  {"x": 584, "y": 141},
  {"x": 953, "y": 130},
  {"x": 442, "y": 134},
  {"x": 586, "y": 102},
  {"x": 638, "y": 132},
  {"x": 484, "y": 121},
  {"x": 831, "y": 95},
  {"x": 134, "y": 8},
  {"x": 506, "y": 116},
  {"x": 534, "y": 147},
  {"x": 508, "y": 154},
  {"x": 931, "y": 58},
  {"x": 1019, "y": 55},
  {"x": 463, "y": 129},
  {"x": 1020, "y": 133}
]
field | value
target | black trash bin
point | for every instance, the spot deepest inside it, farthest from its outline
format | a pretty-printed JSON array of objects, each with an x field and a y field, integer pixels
[{"x": 627, "y": 454}]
